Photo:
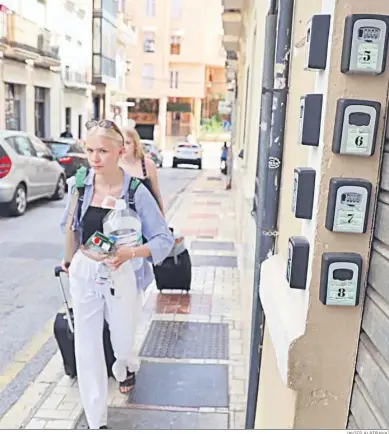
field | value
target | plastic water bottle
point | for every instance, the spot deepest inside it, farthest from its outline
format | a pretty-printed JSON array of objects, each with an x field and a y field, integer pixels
[{"x": 125, "y": 225}]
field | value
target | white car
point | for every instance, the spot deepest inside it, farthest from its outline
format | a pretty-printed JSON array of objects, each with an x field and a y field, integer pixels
[
  {"x": 188, "y": 153},
  {"x": 28, "y": 171}
]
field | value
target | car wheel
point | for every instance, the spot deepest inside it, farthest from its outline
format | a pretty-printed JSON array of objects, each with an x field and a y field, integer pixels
[
  {"x": 18, "y": 205},
  {"x": 174, "y": 164},
  {"x": 200, "y": 165},
  {"x": 60, "y": 189}
]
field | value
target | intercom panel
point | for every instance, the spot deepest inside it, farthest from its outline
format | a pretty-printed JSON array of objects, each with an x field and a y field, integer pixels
[
  {"x": 310, "y": 119},
  {"x": 318, "y": 29},
  {"x": 356, "y": 126},
  {"x": 365, "y": 44},
  {"x": 303, "y": 192},
  {"x": 340, "y": 279},
  {"x": 297, "y": 267},
  {"x": 348, "y": 205}
]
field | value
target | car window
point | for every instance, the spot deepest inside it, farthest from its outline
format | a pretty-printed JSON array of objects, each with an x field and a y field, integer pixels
[
  {"x": 58, "y": 149},
  {"x": 21, "y": 145},
  {"x": 40, "y": 148},
  {"x": 76, "y": 147}
]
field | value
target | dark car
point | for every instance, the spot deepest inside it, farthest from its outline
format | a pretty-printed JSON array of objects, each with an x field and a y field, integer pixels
[{"x": 69, "y": 153}]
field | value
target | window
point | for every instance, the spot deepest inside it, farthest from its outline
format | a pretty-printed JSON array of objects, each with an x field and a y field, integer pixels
[
  {"x": 104, "y": 48},
  {"x": 149, "y": 42},
  {"x": 21, "y": 145},
  {"x": 148, "y": 75},
  {"x": 40, "y": 109},
  {"x": 68, "y": 117},
  {"x": 175, "y": 44},
  {"x": 173, "y": 79},
  {"x": 13, "y": 106},
  {"x": 40, "y": 148},
  {"x": 176, "y": 10},
  {"x": 111, "y": 7},
  {"x": 97, "y": 35},
  {"x": 150, "y": 8}
]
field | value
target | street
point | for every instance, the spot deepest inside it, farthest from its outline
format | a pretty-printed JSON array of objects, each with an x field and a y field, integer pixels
[{"x": 31, "y": 246}]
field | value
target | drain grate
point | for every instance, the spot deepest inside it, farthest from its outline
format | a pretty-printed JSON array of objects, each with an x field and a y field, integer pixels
[
  {"x": 186, "y": 340},
  {"x": 214, "y": 178}
]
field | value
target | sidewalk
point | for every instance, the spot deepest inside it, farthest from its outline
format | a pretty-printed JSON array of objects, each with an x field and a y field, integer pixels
[{"x": 193, "y": 368}]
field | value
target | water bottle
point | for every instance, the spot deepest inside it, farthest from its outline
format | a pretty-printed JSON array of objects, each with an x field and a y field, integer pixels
[{"x": 125, "y": 225}]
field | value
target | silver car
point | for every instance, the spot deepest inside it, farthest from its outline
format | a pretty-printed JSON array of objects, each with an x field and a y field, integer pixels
[{"x": 28, "y": 171}]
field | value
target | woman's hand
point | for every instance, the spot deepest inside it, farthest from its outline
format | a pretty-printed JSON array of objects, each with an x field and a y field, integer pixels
[
  {"x": 121, "y": 255},
  {"x": 98, "y": 257},
  {"x": 65, "y": 266}
]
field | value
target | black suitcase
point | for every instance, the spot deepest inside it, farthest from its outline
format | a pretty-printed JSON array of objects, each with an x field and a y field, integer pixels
[
  {"x": 64, "y": 335},
  {"x": 175, "y": 272}
]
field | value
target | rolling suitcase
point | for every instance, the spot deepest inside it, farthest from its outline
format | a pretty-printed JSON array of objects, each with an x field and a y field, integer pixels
[
  {"x": 64, "y": 335},
  {"x": 175, "y": 272}
]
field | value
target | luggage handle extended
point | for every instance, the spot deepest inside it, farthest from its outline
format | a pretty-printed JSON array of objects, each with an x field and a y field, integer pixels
[{"x": 57, "y": 272}]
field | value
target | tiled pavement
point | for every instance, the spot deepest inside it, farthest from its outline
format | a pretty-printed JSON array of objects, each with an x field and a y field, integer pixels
[{"x": 191, "y": 345}]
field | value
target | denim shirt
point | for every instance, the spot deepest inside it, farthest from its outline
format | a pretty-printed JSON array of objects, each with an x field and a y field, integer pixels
[{"x": 154, "y": 226}]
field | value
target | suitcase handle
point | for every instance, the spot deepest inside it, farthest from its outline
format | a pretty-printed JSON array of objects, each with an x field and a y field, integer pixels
[{"x": 57, "y": 272}]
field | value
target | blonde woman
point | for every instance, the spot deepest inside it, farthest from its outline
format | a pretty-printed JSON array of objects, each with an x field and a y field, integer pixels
[
  {"x": 94, "y": 298},
  {"x": 137, "y": 164}
]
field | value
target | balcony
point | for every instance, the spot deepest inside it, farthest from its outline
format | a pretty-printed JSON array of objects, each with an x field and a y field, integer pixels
[
  {"x": 22, "y": 36},
  {"x": 25, "y": 40},
  {"x": 76, "y": 79},
  {"x": 231, "y": 43},
  {"x": 232, "y": 22},
  {"x": 126, "y": 31},
  {"x": 233, "y": 4}
]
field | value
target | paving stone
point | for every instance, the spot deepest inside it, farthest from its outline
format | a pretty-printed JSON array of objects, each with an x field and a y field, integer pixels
[
  {"x": 214, "y": 261},
  {"x": 212, "y": 245},
  {"x": 181, "y": 385},
  {"x": 186, "y": 340},
  {"x": 126, "y": 419}
]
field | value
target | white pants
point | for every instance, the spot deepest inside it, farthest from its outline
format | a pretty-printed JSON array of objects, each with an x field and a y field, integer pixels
[{"x": 93, "y": 301}]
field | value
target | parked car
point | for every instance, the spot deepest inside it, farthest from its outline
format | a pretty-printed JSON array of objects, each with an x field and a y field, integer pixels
[
  {"x": 152, "y": 152},
  {"x": 28, "y": 171},
  {"x": 69, "y": 153},
  {"x": 188, "y": 153}
]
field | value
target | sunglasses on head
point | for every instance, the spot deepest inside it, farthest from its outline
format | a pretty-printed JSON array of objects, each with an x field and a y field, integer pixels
[{"x": 104, "y": 123}]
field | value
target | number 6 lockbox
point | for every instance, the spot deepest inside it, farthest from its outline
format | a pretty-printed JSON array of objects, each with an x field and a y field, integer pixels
[{"x": 356, "y": 125}]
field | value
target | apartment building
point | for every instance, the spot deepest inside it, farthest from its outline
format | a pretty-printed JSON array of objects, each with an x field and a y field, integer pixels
[
  {"x": 113, "y": 35},
  {"x": 76, "y": 65},
  {"x": 316, "y": 362},
  {"x": 30, "y": 67},
  {"x": 178, "y": 61}
]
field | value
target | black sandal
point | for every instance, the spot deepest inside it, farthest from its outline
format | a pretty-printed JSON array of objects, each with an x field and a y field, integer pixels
[{"x": 128, "y": 384}]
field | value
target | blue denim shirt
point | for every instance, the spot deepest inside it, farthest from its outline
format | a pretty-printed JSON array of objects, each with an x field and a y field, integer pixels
[{"x": 154, "y": 226}]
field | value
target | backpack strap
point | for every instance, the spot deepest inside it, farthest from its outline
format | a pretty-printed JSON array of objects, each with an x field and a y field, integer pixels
[
  {"x": 81, "y": 176},
  {"x": 134, "y": 184}
]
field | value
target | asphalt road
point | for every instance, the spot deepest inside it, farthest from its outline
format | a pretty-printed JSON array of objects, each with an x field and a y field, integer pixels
[{"x": 30, "y": 247}]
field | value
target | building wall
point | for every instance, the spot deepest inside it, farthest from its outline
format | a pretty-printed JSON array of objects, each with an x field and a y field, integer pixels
[
  {"x": 23, "y": 27},
  {"x": 309, "y": 350}
]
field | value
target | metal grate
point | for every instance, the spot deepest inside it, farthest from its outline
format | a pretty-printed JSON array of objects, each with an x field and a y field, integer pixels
[{"x": 186, "y": 340}]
